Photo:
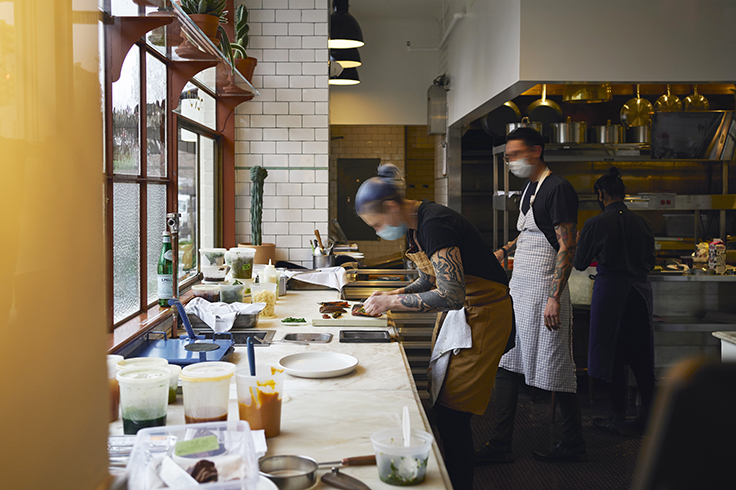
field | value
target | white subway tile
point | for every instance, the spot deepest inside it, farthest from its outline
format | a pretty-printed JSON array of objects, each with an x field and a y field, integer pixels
[
  {"x": 275, "y": 202},
  {"x": 289, "y": 42},
  {"x": 242, "y": 201},
  {"x": 276, "y": 108},
  {"x": 255, "y": 53},
  {"x": 321, "y": 176},
  {"x": 289, "y": 68},
  {"x": 288, "y": 95},
  {"x": 320, "y": 189},
  {"x": 242, "y": 215},
  {"x": 288, "y": 16},
  {"x": 266, "y": 68},
  {"x": 302, "y": 55},
  {"x": 242, "y": 175},
  {"x": 322, "y": 4},
  {"x": 301, "y": 4},
  {"x": 301, "y": 254},
  {"x": 267, "y": 95},
  {"x": 321, "y": 160},
  {"x": 241, "y": 188},
  {"x": 278, "y": 176},
  {"x": 314, "y": 15},
  {"x": 240, "y": 229},
  {"x": 275, "y": 4},
  {"x": 314, "y": 68},
  {"x": 267, "y": 121},
  {"x": 257, "y": 81},
  {"x": 275, "y": 29},
  {"x": 305, "y": 237},
  {"x": 268, "y": 215},
  {"x": 291, "y": 121},
  {"x": 287, "y": 147},
  {"x": 289, "y": 190},
  {"x": 275, "y": 161},
  {"x": 251, "y": 4},
  {"x": 301, "y": 134},
  {"x": 241, "y": 121},
  {"x": 320, "y": 29},
  {"x": 241, "y": 148},
  {"x": 301, "y": 81},
  {"x": 249, "y": 134},
  {"x": 275, "y": 134},
  {"x": 282, "y": 254},
  {"x": 315, "y": 95},
  {"x": 276, "y": 228},
  {"x": 262, "y": 42},
  {"x": 301, "y": 202},
  {"x": 301, "y": 29},
  {"x": 320, "y": 121},
  {"x": 251, "y": 107},
  {"x": 319, "y": 108},
  {"x": 262, "y": 147},
  {"x": 288, "y": 241},
  {"x": 261, "y": 15},
  {"x": 316, "y": 147},
  {"x": 269, "y": 188},
  {"x": 288, "y": 214},
  {"x": 322, "y": 134},
  {"x": 314, "y": 42},
  {"x": 321, "y": 81},
  {"x": 301, "y": 108},
  {"x": 302, "y": 229},
  {"x": 251, "y": 160},
  {"x": 302, "y": 176},
  {"x": 300, "y": 160},
  {"x": 275, "y": 55},
  {"x": 321, "y": 202},
  {"x": 321, "y": 54},
  {"x": 276, "y": 81},
  {"x": 316, "y": 215}
]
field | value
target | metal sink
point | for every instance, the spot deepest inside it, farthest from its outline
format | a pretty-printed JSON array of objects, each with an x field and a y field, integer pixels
[
  {"x": 317, "y": 338},
  {"x": 263, "y": 337}
]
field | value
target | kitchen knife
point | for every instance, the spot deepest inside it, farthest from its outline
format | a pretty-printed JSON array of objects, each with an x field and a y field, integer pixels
[
  {"x": 343, "y": 481},
  {"x": 354, "y": 461}
]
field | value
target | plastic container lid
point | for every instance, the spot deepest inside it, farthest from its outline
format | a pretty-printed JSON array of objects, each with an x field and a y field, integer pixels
[
  {"x": 208, "y": 371},
  {"x": 112, "y": 364},
  {"x": 140, "y": 375},
  {"x": 247, "y": 252},
  {"x": 142, "y": 362},
  {"x": 206, "y": 287},
  {"x": 391, "y": 441}
]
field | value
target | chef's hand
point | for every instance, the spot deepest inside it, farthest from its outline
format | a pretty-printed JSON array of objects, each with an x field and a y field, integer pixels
[
  {"x": 552, "y": 315},
  {"x": 378, "y": 303},
  {"x": 499, "y": 255}
]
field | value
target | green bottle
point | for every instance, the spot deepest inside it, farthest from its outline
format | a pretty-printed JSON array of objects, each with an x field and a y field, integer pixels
[{"x": 165, "y": 272}]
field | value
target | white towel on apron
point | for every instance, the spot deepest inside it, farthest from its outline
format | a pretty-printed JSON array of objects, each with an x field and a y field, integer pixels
[
  {"x": 454, "y": 335},
  {"x": 543, "y": 357}
]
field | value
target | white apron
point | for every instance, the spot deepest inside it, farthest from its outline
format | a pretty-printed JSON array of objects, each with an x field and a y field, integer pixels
[{"x": 543, "y": 357}]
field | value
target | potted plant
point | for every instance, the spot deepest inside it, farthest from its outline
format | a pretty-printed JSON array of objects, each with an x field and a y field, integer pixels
[
  {"x": 264, "y": 251},
  {"x": 207, "y": 15},
  {"x": 236, "y": 51}
]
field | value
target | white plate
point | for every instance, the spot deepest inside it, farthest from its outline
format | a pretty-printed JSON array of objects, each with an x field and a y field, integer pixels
[
  {"x": 295, "y": 324},
  {"x": 265, "y": 484},
  {"x": 318, "y": 364}
]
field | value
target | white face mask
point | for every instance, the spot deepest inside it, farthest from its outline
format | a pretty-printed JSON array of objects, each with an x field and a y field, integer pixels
[{"x": 521, "y": 168}]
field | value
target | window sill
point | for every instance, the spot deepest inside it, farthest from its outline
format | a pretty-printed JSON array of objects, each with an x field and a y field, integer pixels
[{"x": 140, "y": 325}]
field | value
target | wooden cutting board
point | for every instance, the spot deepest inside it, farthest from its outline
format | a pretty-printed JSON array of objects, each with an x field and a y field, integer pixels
[{"x": 348, "y": 320}]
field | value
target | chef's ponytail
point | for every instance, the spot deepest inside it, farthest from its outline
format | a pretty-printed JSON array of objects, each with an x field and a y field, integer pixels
[
  {"x": 612, "y": 184},
  {"x": 387, "y": 186}
]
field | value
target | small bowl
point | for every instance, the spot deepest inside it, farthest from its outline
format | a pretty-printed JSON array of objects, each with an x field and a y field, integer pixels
[{"x": 290, "y": 472}]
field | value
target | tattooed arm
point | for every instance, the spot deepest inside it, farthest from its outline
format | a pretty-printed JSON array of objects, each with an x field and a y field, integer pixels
[
  {"x": 448, "y": 295},
  {"x": 424, "y": 282},
  {"x": 563, "y": 266}
]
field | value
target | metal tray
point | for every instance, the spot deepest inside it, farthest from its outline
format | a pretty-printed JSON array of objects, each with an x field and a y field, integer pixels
[
  {"x": 319, "y": 338},
  {"x": 240, "y": 338},
  {"x": 365, "y": 336}
]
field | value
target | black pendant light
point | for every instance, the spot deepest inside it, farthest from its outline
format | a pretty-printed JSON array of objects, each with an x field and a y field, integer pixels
[
  {"x": 345, "y": 31},
  {"x": 347, "y": 58},
  {"x": 349, "y": 76}
]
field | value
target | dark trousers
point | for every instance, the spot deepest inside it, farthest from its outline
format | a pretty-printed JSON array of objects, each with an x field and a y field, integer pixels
[
  {"x": 506, "y": 398},
  {"x": 457, "y": 441},
  {"x": 635, "y": 348}
]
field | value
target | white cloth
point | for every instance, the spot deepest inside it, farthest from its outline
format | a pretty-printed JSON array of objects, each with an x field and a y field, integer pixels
[
  {"x": 454, "y": 335},
  {"x": 221, "y": 316},
  {"x": 332, "y": 277},
  {"x": 543, "y": 357}
]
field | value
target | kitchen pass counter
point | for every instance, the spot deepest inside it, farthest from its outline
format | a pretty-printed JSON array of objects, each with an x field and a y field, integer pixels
[{"x": 331, "y": 419}]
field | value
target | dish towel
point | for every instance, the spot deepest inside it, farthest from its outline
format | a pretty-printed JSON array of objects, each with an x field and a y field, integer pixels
[
  {"x": 454, "y": 335},
  {"x": 332, "y": 277},
  {"x": 221, "y": 316}
]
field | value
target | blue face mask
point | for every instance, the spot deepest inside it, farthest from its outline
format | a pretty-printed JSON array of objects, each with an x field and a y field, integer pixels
[{"x": 392, "y": 233}]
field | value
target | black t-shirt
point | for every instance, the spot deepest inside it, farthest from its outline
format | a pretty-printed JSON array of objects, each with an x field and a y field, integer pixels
[
  {"x": 440, "y": 227},
  {"x": 556, "y": 202}
]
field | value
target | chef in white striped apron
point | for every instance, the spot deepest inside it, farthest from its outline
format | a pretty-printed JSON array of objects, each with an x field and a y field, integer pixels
[{"x": 542, "y": 263}]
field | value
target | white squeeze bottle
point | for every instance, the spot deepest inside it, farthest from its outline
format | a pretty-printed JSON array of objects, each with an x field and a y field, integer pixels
[{"x": 269, "y": 274}]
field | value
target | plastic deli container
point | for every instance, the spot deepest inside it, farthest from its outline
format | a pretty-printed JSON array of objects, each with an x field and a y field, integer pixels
[
  {"x": 259, "y": 400},
  {"x": 112, "y": 380},
  {"x": 240, "y": 260},
  {"x": 266, "y": 292},
  {"x": 144, "y": 397},
  {"x": 212, "y": 256},
  {"x": 232, "y": 293},
  {"x": 208, "y": 292},
  {"x": 173, "y": 381},
  {"x": 142, "y": 362},
  {"x": 206, "y": 390},
  {"x": 181, "y": 448},
  {"x": 399, "y": 465}
]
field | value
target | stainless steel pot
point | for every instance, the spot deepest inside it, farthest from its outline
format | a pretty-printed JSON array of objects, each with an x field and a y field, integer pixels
[
  {"x": 639, "y": 134},
  {"x": 525, "y": 123},
  {"x": 568, "y": 132},
  {"x": 610, "y": 133}
]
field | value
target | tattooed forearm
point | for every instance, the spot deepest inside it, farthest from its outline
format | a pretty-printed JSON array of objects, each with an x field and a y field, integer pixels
[
  {"x": 450, "y": 280},
  {"x": 422, "y": 284},
  {"x": 563, "y": 266}
]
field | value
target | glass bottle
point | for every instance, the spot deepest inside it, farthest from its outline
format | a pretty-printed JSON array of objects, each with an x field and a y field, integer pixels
[{"x": 165, "y": 272}]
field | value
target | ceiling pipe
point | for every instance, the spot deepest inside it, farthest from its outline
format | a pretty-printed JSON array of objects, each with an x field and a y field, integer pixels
[{"x": 455, "y": 18}]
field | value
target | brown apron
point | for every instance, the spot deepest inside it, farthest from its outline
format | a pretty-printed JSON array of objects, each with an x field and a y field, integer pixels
[{"x": 471, "y": 372}]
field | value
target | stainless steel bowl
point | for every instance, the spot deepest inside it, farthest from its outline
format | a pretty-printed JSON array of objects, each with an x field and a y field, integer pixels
[
  {"x": 290, "y": 472},
  {"x": 568, "y": 132}
]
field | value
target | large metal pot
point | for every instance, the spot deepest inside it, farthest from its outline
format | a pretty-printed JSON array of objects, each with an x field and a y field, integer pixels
[
  {"x": 568, "y": 132},
  {"x": 525, "y": 123},
  {"x": 639, "y": 134},
  {"x": 610, "y": 133}
]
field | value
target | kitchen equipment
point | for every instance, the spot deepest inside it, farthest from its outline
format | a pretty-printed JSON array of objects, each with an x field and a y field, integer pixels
[
  {"x": 232, "y": 293},
  {"x": 292, "y": 472},
  {"x": 214, "y": 273},
  {"x": 341, "y": 480},
  {"x": 263, "y": 338},
  {"x": 494, "y": 123},
  {"x": 319, "y": 242},
  {"x": 637, "y": 111},
  {"x": 141, "y": 362},
  {"x": 265, "y": 292},
  {"x": 242, "y": 321},
  {"x": 544, "y": 110},
  {"x": 587, "y": 93},
  {"x": 709, "y": 135},
  {"x": 206, "y": 388},
  {"x": 610, "y": 133},
  {"x": 568, "y": 132},
  {"x": 318, "y": 338},
  {"x": 323, "y": 261},
  {"x": 525, "y": 123},
  {"x": 144, "y": 396},
  {"x": 240, "y": 260},
  {"x": 668, "y": 103},
  {"x": 209, "y": 292},
  {"x": 318, "y": 364},
  {"x": 399, "y": 465},
  {"x": 259, "y": 400},
  {"x": 364, "y": 336},
  {"x": 639, "y": 134},
  {"x": 695, "y": 102},
  {"x": 212, "y": 256}
]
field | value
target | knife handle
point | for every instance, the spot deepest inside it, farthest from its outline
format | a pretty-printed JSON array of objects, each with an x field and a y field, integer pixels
[
  {"x": 359, "y": 460},
  {"x": 343, "y": 481}
]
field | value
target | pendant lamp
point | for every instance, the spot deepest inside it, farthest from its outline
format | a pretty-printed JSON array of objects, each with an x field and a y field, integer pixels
[
  {"x": 349, "y": 76},
  {"x": 347, "y": 58},
  {"x": 345, "y": 31}
]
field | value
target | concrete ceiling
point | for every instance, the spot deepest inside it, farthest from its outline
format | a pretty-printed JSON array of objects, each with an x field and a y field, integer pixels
[{"x": 411, "y": 9}]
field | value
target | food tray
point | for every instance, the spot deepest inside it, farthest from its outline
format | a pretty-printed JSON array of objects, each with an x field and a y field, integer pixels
[{"x": 364, "y": 336}]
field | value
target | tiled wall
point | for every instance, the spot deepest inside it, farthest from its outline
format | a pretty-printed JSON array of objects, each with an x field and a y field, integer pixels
[
  {"x": 286, "y": 129},
  {"x": 419, "y": 163}
]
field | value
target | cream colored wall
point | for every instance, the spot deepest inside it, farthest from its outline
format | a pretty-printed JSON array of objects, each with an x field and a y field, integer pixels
[{"x": 53, "y": 414}]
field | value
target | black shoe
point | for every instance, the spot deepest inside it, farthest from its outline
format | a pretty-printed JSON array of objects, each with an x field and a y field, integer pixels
[
  {"x": 492, "y": 453},
  {"x": 609, "y": 425},
  {"x": 561, "y": 452}
]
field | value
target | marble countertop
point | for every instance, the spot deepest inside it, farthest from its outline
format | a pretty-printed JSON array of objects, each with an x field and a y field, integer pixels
[
  {"x": 727, "y": 336},
  {"x": 331, "y": 419}
]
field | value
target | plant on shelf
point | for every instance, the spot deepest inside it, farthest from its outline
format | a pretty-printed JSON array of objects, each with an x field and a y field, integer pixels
[
  {"x": 257, "y": 174},
  {"x": 207, "y": 14},
  {"x": 236, "y": 51}
]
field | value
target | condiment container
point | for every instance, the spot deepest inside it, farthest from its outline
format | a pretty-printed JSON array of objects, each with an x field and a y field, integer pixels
[
  {"x": 212, "y": 256},
  {"x": 240, "y": 260},
  {"x": 215, "y": 273},
  {"x": 173, "y": 381},
  {"x": 144, "y": 395},
  {"x": 142, "y": 362},
  {"x": 265, "y": 292},
  {"x": 269, "y": 274},
  {"x": 259, "y": 400},
  {"x": 207, "y": 291},
  {"x": 232, "y": 293},
  {"x": 112, "y": 371},
  {"x": 399, "y": 465},
  {"x": 206, "y": 389}
]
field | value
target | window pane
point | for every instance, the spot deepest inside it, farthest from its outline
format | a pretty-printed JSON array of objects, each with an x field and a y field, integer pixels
[
  {"x": 126, "y": 250},
  {"x": 197, "y": 105},
  {"x": 155, "y": 227},
  {"x": 126, "y": 158},
  {"x": 156, "y": 116},
  {"x": 207, "y": 77},
  {"x": 207, "y": 191},
  {"x": 188, "y": 233}
]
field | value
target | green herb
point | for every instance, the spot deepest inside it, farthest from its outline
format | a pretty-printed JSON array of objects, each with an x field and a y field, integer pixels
[
  {"x": 237, "y": 283},
  {"x": 294, "y": 320},
  {"x": 414, "y": 477}
]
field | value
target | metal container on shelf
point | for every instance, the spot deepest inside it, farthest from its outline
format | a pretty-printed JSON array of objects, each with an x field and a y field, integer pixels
[
  {"x": 610, "y": 133},
  {"x": 568, "y": 132},
  {"x": 525, "y": 123},
  {"x": 639, "y": 134}
]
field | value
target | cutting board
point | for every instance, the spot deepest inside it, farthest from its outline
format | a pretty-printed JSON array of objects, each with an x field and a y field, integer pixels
[{"x": 348, "y": 320}]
